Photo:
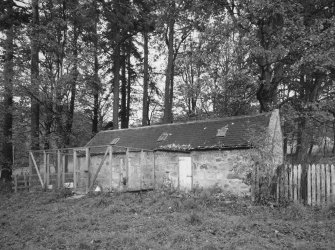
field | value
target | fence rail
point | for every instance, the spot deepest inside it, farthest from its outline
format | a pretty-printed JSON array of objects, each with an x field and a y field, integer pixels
[{"x": 310, "y": 184}]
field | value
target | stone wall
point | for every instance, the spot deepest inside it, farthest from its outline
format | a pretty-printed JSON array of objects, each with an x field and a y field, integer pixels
[
  {"x": 166, "y": 168},
  {"x": 209, "y": 168},
  {"x": 219, "y": 168}
]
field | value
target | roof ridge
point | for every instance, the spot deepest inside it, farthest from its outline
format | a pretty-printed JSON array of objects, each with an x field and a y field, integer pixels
[{"x": 190, "y": 122}]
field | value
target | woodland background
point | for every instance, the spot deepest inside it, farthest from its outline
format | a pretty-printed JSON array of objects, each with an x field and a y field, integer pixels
[{"x": 72, "y": 68}]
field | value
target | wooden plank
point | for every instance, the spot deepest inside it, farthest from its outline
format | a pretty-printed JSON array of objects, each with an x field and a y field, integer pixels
[
  {"x": 88, "y": 167},
  {"x": 48, "y": 169},
  {"x": 253, "y": 184},
  {"x": 314, "y": 185},
  {"x": 294, "y": 182},
  {"x": 25, "y": 181},
  {"x": 299, "y": 183},
  {"x": 309, "y": 185},
  {"x": 332, "y": 181},
  {"x": 277, "y": 192},
  {"x": 29, "y": 182},
  {"x": 318, "y": 184},
  {"x": 291, "y": 188},
  {"x": 36, "y": 167},
  {"x": 30, "y": 164},
  {"x": 283, "y": 176},
  {"x": 141, "y": 169},
  {"x": 45, "y": 167},
  {"x": 63, "y": 169},
  {"x": 111, "y": 166},
  {"x": 75, "y": 163},
  {"x": 15, "y": 183},
  {"x": 127, "y": 167},
  {"x": 59, "y": 168},
  {"x": 323, "y": 186},
  {"x": 288, "y": 173},
  {"x": 289, "y": 182},
  {"x": 328, "y": 183},
  {"x": 99, "y": 168}
]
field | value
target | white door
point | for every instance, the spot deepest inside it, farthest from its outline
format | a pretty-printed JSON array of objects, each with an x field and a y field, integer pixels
[{"x": 185, "y": 173}]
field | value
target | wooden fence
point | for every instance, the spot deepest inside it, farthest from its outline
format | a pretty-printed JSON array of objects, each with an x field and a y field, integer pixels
[{"x": 309, "y": 184}]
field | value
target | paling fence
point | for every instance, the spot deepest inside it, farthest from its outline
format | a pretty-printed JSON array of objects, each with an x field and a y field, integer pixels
[{"x": 312, "y": 184}]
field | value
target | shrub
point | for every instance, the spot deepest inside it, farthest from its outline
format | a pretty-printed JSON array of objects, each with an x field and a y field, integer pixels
[
  {"x": 296, "y": 211},
  {"x": 329, "y": 210}
]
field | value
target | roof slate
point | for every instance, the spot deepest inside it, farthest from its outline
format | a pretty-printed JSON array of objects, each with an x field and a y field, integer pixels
[{"x": 196, "y": 135}]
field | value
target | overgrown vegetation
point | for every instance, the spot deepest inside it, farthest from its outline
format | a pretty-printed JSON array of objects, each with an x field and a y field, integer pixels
[{"x": 202, "y": 219}]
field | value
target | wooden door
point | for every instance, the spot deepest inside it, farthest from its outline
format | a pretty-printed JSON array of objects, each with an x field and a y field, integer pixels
[{"x": 185, "y": 173}]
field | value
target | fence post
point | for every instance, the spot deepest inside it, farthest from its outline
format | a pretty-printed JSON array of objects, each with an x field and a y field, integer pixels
[
  {"x": 63, "y": 168},
  {"x": 141, "y": 169},
  {"x": 309, "y": 185},
  {"x": 88, "y": 168},
  {"x": 30, "y": 171},
  {"x": 323, "y": 183},
  {"x": 303, "y": 184},
  {"x": 127, "y": 168},
  {"x": 25, "y": 181},
  {"x": 75, "y": 169},
  {"x": 59, "y": 168},
  {"x": 48, "y": 170},
  {"x": 45, "y": 167},
  {"x": 318, "y": 184},
  {"x": 111, "y": 166},
  {"x": 332, "y": 182},
  {"x": 15, "y": 183},
  {"x": 328, "y": 181},
  {"x": 314, "y": 186}
]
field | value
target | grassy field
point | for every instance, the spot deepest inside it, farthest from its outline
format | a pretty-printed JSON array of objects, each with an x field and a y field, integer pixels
[{"x": 159, "y": 220}]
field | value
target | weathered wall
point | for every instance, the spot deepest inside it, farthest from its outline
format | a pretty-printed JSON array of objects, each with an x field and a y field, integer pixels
[
  {"x": 134, "y": 173},
  {"x": 218, "y": 168},
  {"x": 166, "y": 168},
  {"x": 209, "y": 168}
]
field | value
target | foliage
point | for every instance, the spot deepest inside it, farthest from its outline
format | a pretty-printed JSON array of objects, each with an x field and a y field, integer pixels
[{"x": 218, "y": 58}]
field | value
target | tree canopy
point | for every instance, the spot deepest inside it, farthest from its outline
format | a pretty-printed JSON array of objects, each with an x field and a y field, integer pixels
[{"x": 70, "y": 69}]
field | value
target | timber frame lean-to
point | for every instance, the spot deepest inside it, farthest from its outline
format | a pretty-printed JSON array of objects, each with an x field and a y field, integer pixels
[{"x": 73, "y": 168}]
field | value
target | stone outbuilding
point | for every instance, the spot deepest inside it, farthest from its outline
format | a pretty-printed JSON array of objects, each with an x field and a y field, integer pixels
[{"x": 184, "y": 155}]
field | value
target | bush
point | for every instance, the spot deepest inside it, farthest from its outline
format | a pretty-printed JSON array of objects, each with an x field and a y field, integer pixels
[
  {"x": 296, "y": 211},
  {"x": 5, "y": 187},
  {"x": 329, "y": 210},
  {"x": 63, "y": 193}
]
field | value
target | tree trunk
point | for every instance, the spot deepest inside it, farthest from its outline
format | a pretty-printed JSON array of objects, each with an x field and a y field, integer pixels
[
  {"x": 8, "y": 73},
  {"x": 168, "y": 118},
  {"x": 35, "y": 106},
  {"x": 145, "y": 103},
  {"x": 302, "y": 141},
  {"x": 128, "y": 85},
  {"x": 74, "y": 77},
  {"x": 266, "y": 91},
  {"x": 116, "y": 86},
  {"x": 123, "y": 112},
  {"x": 96, "y": 82}
]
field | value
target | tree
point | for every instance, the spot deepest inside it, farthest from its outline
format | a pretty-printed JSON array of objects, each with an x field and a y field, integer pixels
[
  {"x": 12, "y": 17},
  {"x": 35, "y": 105},
  {"x": 175, "y": 25}
]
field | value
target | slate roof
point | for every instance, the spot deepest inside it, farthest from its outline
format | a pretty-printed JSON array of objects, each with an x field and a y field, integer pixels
[{"x": 196, "y": 135}]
